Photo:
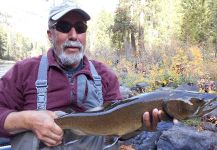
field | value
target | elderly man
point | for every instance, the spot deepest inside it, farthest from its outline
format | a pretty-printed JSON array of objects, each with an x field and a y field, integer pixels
[{"x": 64, "y": 79}]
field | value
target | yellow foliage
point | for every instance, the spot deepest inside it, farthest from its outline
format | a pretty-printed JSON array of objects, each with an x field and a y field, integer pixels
[
  {"x": 127, "y": 73},
  {"x": 181, "y": 66},
  {"x": 185, "y": 66}
]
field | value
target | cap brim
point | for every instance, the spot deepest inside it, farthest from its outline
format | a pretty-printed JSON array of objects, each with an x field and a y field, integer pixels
[{"x": 79, "y": 11}]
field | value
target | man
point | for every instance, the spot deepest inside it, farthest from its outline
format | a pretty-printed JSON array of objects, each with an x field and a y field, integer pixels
[{"x": 68, "y": 67}]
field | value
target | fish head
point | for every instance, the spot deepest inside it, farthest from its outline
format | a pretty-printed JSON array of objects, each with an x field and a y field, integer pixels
[
  {"x": 191, "y": 106},
  {"x": 210, "y": 103}
]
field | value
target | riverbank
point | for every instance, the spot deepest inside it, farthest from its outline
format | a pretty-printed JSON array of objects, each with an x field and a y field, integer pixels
[
  {"x": 6, "y": 61},
  {"x": 5, "y": 65}
]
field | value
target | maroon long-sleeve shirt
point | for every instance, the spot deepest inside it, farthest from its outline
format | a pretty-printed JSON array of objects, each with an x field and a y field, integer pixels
[{"x": 18, "y": 91}]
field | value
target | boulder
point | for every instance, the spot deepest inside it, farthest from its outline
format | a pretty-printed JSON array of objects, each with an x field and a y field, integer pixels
[
  {"x": 147, "y": 140},
  {"x": 181, "y": 137},
  {"x": 125, "y": 91},
  {"x": 188, "y": 87}
]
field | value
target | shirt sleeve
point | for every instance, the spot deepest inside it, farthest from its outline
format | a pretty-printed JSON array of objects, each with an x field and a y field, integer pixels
[
  {"x": 111, "y": 91},
  {"x": 110, "y": 83},
  {"x": 10, "y": 96}
]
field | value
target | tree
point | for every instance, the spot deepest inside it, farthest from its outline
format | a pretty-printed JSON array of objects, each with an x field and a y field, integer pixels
[
  {"x": 123, "y": 29},
  {"x": 3, "y": 42},
  {"x": 3, "y": 33},
  {"x": 195, "y": 21},
  {"x": 98, "y": 40},
  {"x": 141, "y": 25},
  {"x": 212, "y": 6}
]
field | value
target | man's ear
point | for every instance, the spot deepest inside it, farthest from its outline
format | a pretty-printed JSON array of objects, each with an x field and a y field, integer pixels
[{"x": 49, "y": 35}]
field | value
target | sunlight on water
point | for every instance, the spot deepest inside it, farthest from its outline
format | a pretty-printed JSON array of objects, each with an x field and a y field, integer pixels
[{"x": 4, "y": 68}]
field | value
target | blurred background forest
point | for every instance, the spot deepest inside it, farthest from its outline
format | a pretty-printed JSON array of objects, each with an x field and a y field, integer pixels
[{"x": 159, "y": 42}]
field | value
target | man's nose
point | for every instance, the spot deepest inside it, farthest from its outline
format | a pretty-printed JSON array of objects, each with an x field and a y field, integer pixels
[{"x": 73, "y": 34}]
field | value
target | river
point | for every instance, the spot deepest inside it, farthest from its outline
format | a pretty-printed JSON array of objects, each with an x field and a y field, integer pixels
[{"x": 4, "y": 67}]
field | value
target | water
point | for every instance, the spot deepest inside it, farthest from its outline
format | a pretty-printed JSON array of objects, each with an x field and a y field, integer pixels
[{"x": 4, "y": 67}]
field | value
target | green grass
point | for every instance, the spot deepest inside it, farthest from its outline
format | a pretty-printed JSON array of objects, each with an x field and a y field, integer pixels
[{"x": 192, "y": 122}]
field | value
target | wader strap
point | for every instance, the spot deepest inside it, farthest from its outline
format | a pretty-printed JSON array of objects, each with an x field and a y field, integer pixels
[
  {"x": 41, "y": 84},
  {"x": 83, "y": 83},
  {"x": 81, "y": 87},
  {"x": 97, "y": 80}
]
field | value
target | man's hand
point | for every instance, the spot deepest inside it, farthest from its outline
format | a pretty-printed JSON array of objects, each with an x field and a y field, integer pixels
[
  {"x": 45, "y": 128},
  {"x": 40, "y": 122},
  {"x": 151, "y": 120}
]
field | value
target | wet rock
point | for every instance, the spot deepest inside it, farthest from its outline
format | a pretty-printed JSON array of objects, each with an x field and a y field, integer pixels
[
  {"x": 139, "y": 88},
  {"x": 147, "y": 140},
  {"x": 181, "y": 137},
  {"x": 209, "y": 121},
  {"x": 188, "y": 86},
  {"x": 125, "y": 91}
]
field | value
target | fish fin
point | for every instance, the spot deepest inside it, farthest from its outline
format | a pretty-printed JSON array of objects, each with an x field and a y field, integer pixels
[
  {"x": 110, "y": 141},
  {"x": 70, "y": 136},
  {"x": 95, "y": 109},
  {"x": 60, "y": 113},
  {"x": 77, "y": 132}
]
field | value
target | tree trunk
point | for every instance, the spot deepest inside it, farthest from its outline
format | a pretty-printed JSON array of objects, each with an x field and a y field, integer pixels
[{"x": 216, "y": 47}]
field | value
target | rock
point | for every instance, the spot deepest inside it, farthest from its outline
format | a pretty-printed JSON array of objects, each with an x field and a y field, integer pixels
[
  {"x": 139, "y": 88},
  {"x": 209, "y": 126},
  {"x": 125, "y": 92},
  {"x": 181, "y": 137},
  {"x": 188, "y": 87},
  {"x": 210, "y": 121},
  {"x": 147, "y": 140},
  {"x": 213, "y": 113}
]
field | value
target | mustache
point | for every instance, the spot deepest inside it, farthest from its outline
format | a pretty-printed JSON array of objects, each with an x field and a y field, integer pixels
[{"x": 72, "y": 44}]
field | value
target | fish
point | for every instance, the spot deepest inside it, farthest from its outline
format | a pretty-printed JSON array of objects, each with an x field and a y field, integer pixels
[{"x": 124, "y": 117}]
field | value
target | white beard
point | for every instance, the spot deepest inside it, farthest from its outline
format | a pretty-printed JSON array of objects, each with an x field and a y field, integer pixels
[{"x": 71, "y": 59}]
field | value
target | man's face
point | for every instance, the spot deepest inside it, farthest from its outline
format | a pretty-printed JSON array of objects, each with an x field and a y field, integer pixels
[{"x": 68, "y": 39}]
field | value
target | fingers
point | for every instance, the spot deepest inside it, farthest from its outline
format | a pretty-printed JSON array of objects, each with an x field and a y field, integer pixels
[
  {"x": 146, "y": 120},
  {"x": 155, "y": 118},
  {"x": 163, "y": 116},
  {"x": 57, "y": 130},
  {"x": 151, "y": 119},
  {"x": 50, "y": 136},
  {"x": 52, "y": 140},
  {"x": 175, "y": 121},
  {"x": 46, "y": 129}
]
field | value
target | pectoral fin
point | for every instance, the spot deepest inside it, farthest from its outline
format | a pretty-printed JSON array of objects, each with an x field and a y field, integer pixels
[
  {"x": 70, "y": 137},
  {"x": 110, "y": 141}
]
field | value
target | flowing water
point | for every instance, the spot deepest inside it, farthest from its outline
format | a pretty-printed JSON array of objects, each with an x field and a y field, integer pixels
[{"x": 4, "y": 67}]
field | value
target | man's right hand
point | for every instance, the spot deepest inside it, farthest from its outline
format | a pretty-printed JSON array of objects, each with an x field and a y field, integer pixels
[{"x": 40, "y": 122}]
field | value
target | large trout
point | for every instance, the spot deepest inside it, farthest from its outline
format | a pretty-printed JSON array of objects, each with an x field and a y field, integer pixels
[{"x": 124, "y": 117}]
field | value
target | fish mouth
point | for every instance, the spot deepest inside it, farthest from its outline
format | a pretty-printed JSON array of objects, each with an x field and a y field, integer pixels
[
  {"x": 188, "y": 109},
  {"x": 206, "y": 108}
]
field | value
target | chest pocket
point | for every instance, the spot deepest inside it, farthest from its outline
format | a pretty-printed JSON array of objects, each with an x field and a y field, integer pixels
[{"x": 89, "y": 92}]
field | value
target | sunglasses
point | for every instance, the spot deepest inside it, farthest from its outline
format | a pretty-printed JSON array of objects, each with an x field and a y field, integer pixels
[{"x": 65, "y": 27}]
